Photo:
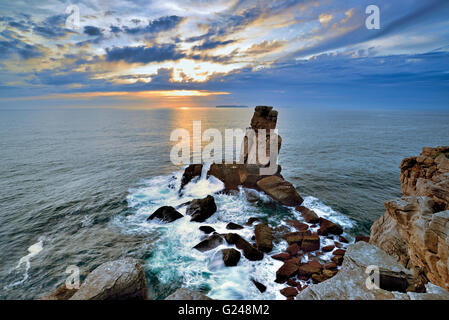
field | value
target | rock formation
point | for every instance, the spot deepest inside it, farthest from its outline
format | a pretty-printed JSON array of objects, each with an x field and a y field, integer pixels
[
  {"x": 415, "y": 228},
  {"x": 186, "y": 294},
  {"x": 201, "y": 209},
  {"x": 115, "y": 280},
  {"x": 166, "y": 214},
  {"x": 350, "y": 283}
]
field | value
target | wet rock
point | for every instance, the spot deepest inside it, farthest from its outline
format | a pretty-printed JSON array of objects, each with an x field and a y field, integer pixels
[
  {"x": 328, "y": 248},
  {"x": 329, "y": 273},
  {"x": 281, "y": 256},
  {"x": 116, "y": 280},
  {"x": 232, "y": 175},
  {"x": 318, "y": 277},
  {"x": 292, "y": 283},
  {"x": 339, "y": 252},
  {"x": 201, "y": 209},
  {"x": 252, "y": 195},
  {"x": 207, "y": 229},
  {"x": 233, "y": 226},
  {"x": 230, "y": 257},
  {"x": 308, "y": 215},
  {"x": 186, "y": 294},
  {"x": 362, "y": 238},
  {"x": 280, "y": 190},
  {"x": 330, "y": 266},
  {"x": 328, "y": 227},
  {"x": 61, "y": 293},
  {"x": 249, "y": 251},
  {"x": 310, "y": 243},
  {"x": 338, "y": 260},
  {"x": 343, "y": 239},
  {"x": 296, "y": 237},
  {"x": 210, "y": 243},
  {"x": 310, "y": 268},
  {"x": 338, "y": 244},
  {"x": 166, "y": 214},
  {"x": 288, "y": 270},
  {"x": 191, "y": 172},
  {"x": 297, "y": 225},
  {"x": 251, "y": 221},
  {"x": 262, "y": 288},
  {"x": 264, "y": 237},
  {"x": 289, "y": 292},
  {"x": 293, "y": 249}
]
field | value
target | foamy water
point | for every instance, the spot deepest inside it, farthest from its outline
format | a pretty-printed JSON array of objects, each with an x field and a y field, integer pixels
[{"x": 173, "y": 263}]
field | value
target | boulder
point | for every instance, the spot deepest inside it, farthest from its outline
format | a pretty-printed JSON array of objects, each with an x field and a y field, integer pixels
[
  {"x": 249, "y": 251},
  {"x": 264, "y": 237},
  {"x": 281, "y": 256},
  {"x": 192, "y": 171},
  {"x": 207, "y": 229},
  {"x": 296, "y": 237},
  {"x": 297, "y": 225},
  {"x": 116, "y": 280},
  {"x": 280, "y": 190},
  {"x": 233, "y": 226},
  {"x": 350, "y": 282},
  {"x": 252, "y": 195},
  {"x": 232, "y": 175},
  {"x": 289, "y": 292},
  {"x": 230, "y": 257},
  {"x": 262, "y": 288},
  {"x": 166, "y": 214},
  {"x": 362, "y": 238},
  {"x": 328, "y": 227},
  {"x": 210, "y": 243},
  {"x": 61, "y": 293},
  {"x": 251, "y": 221},
  {"x": 264, "y": 117},
  {"x": 338, "y": 260},
  {"x": 310, "y": 268},
  {"x": 201, "y": 209},
  {"x": 186, "y": 294},
  {"x": 328, "y": 248},
  {"x": 310, "y": 243},
  {"x": 308, "y": 215},
  {"x": 293, "y": 249},
  {"x": 288, "y": 270},
  {"x": 330, "y": 266}
]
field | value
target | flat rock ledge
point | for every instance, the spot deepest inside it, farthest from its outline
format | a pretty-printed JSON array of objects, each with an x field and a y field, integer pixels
[{"x": 350, "y": 282}]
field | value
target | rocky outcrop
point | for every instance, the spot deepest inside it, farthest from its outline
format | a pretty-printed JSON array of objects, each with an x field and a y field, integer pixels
[
  {"x": 230, "y": 257},
  {"x": 191, "y": 172},
  {"x": 186, "y": 294},
  {"x": 309, "y": 215},
  {"x": 249, "y": 251},
  {"x": 264, "y": 237},
  {"x": 115, "y": 280},
  {"x": 201, "y": 209},
  {"x": 61, "y": 293},
  {"x": 232, "y": 175},
  {"x": 166, "y": 214},
  {"x": 415, "y": 228},
  {"x": 350, "y": 283},
  {"x": 210, "y": 243},
  {"x": 280, "y": 190}
]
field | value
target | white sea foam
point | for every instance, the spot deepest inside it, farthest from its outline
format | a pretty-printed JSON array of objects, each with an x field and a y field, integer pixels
[{"x": 172, "y": 258}]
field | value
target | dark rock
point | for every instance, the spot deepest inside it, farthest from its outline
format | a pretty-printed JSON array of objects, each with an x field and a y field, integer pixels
[
  {"x": 249, "y": 251},
  {"x": 252, "y": 195},
  {"x": 192, "y": 171},
  {"x": 328, "y": 227},
  {"x": 310, "y": 243},
  {"x": 308, "y": 215},
  {"x": 343, "y": 239},
  {"x": 232, "y": 175},
  {"x": 264, "y": 237},
  {"x": 288, "y": 270},
  {"x": 230, "y": 257},
  {"x": 339, "y": 252},
  {"x": 116, "y": 280},
  {"x": 166, "y": 214},
  {"x": 310, "y": 268},
  {"x": 259, "y": 286},
  {"x": 296, "y": 237},
  {"x": 251, "y": 221},
  {"x": 233, "y": 226},
  {"x": 289, "y": 292},
  {"x": 338, "y": 260},
  {"x": 61, "y": 293},
  {"x": 210, "y": 243},
  {"x": 280, "y": 190},
  {"x": 361, "y": 238},
  {"x": 298, "y": 225},
  {"x": 328, "y": 248},
  {"x": 281, "y": 256},
  {"x": 186, "y": 294},
  {"x": 338, "y": 244},
  {"x": 293, "y": 249},
  {"x": 207, "y": 229},
  {"x": 201, "y": 209},
  {"x": 330, "y": 266},
  {"x": 264, "y": 117},
  {"x": 292, "y": 283}
]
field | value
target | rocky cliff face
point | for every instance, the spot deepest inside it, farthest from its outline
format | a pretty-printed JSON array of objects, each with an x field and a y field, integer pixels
[{"x": 415, "y": 228}]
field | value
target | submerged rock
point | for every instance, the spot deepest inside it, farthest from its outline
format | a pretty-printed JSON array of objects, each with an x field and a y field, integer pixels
[
  {"x": 264, "y": 237},
  {"x": 207, "y": 229},
  {"x": 186, "y": 294},
  {"x": 280, "y": 190},
  {"x": 233, "y": 226},
  {"x": 191, "y": 172},
  {"x": 230, "y": 257},
  {"x": 262, "y": 288},
  {"x": 201, "y": 209},
  {"x": 116, "y": 280},
  {"x": 166, "y": 214}
]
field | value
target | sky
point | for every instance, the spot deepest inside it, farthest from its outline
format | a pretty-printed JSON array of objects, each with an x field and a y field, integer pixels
[{"x": 197, "y": 53}]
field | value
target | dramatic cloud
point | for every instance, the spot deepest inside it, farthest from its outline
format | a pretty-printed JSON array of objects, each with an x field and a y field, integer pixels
[{"x": 142, "y": 54}]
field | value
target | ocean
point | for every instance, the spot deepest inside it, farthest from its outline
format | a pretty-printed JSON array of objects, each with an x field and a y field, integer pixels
[{"x": 77, "y": 185}]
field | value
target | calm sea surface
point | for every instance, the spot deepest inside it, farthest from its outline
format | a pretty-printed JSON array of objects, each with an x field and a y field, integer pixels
[{"x": 76, "y": 186}]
